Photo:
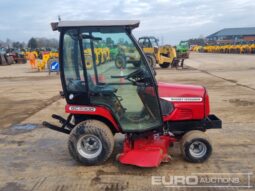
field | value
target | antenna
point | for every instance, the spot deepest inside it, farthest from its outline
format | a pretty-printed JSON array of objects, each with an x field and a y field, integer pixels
[
  {"x": 59, "y": 18},
  {"x": 162, "y": 40}
]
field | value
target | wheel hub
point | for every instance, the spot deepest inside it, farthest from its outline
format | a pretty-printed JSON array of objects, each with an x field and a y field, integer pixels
[
  {"x": 89, "y": 146},
  {"x": 198, "y": 149}
]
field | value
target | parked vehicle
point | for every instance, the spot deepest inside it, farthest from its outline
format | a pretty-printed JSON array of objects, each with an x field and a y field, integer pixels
[{"x": 106, "y": 100}]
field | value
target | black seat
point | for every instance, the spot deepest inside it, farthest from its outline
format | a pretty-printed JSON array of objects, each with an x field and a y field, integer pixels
[
  {"x": 100, "y": 88},
  {"x": 103, "y": 89}
]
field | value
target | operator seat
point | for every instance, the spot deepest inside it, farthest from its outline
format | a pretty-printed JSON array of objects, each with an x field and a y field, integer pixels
[
  {"x": 98, "y": 89},
  {"x": 104, "y": 94}
]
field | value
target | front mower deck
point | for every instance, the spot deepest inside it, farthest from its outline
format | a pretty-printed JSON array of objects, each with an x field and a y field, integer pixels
[{"x": 146, "y": 152}]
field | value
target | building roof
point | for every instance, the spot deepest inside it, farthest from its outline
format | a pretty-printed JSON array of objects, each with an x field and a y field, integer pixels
[
  {"x": 96, "y": 23},
  {"x": 234, "y": 32}
]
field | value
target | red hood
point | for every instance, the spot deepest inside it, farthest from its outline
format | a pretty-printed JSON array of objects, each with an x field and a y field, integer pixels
[
  {"x": 190, "y": 102},
  {"x": 180, "y": 90}
]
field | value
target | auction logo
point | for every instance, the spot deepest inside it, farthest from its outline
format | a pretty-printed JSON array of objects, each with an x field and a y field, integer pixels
[{"x": 219, "y": 180}]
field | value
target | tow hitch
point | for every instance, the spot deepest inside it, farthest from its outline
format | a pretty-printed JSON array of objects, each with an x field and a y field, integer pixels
[{"x": 66, "y": 126}]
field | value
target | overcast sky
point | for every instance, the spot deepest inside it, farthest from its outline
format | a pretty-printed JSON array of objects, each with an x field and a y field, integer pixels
[{"x": 170, "y": 20}]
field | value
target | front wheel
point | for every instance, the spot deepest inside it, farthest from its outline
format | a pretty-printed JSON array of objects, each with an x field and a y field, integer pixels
[
  {"x": 91, "y": 142},
  {"x": 164, "y": 65},
  {"x": 196, "y": 146}
]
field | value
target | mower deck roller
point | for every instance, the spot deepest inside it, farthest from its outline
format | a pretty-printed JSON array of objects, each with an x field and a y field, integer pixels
[{"x": 104, "y": 99}]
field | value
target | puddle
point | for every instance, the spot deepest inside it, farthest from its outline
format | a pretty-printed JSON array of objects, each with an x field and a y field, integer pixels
[
  {"x": 12, "y": 186},
  {"x": 25, "y": 126},
  {"x": 20, "y": 128}
]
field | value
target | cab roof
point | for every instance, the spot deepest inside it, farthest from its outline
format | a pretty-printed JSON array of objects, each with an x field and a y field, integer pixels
[{"x": 95, "y": 23}]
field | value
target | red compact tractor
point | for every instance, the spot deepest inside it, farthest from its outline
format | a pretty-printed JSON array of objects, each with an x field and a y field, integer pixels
[{"x": 105, "y": 100}]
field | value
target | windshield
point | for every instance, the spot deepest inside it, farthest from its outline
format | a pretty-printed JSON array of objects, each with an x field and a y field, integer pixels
[
  {"x": 113, "y": 54},
  {"x": 154, "y": 42},
  {"x": 184, "y": 43}
]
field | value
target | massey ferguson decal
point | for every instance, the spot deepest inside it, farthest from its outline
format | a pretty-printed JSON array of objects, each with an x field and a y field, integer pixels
[
  {"x": 183, "y": 99},
  {"x": 82, "y": 108}
]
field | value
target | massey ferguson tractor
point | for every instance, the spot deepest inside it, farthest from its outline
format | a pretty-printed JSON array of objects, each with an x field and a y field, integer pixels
[{"x": 107, "y": 100}]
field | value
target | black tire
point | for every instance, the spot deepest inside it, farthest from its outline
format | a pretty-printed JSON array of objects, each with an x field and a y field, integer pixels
[
  {"x": 10, "y": 60},
  {"x": 175, "y": 63},
  {"x": 2, "y": 60},
  {"x": 89, "y": 62},
  {"x": 164, "y": 65},
  {"x": 152, "y": 60},
  {"x": 120, "y": 61},
  {"x": 199, "y": 139},
  {"x": 95, "y": 129}
]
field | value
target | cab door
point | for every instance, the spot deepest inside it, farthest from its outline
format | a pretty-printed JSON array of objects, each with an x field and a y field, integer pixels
[
  {"x": 72, "y": 69},
  {"x": 129, "y": 91}
]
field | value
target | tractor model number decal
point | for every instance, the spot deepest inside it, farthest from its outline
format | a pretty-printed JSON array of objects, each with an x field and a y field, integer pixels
[
  {"x": 81, "y": 108},
  {"x": 183, "y": 99}
]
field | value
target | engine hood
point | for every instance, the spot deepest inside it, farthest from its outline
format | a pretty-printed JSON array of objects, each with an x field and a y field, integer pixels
[{"x": 180, "y": 92}]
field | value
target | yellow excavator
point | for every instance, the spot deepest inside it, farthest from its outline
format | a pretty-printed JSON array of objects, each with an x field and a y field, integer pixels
[
  {"x": 47, "y": 59},
  {"x": 164, "y": 56},
  {"x": 102, "y": 54}
]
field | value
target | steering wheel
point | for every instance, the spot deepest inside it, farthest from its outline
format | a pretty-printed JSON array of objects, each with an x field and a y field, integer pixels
[{"x": 137, "y": 76}]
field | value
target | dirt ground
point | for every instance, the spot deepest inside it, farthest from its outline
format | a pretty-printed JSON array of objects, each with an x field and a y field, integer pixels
[{"x": 35, "y": 158}]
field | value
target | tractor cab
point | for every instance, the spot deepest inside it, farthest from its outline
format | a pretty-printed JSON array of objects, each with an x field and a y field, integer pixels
[
  {"x": 149, "y": 42},
  {"x": 90, "y": 77}
]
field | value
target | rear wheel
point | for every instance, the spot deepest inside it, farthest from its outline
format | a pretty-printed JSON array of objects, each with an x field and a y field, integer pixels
[
  {"x": 196, "y": 146},
  {"x": 89, "y": 61},
  {"x": 152, "y": 60},
  {"x": 120, "y": 61},
  {"x": 165, "y": 65},
  {"x": 91, "y": 142},
  {"x": 175, "y": 63},
  {"x": 10, "y": 60}
]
